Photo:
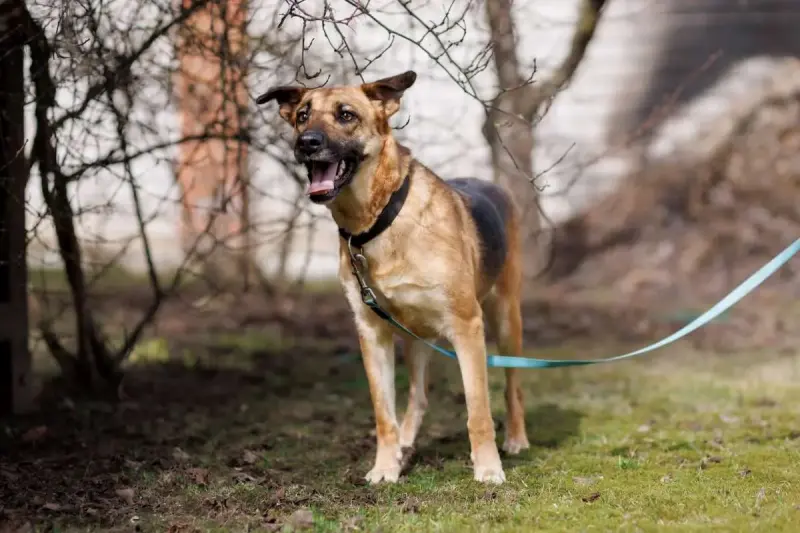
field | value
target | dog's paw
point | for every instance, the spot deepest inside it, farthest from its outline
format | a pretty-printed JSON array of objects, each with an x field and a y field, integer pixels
[
  {"x": 387, "y": 475},
  {"x": 388, "y": 465},
  {"x": 514, "y": 445},
  {"x": 487, "y": 465},
  {"x": 493, "y": 475}
]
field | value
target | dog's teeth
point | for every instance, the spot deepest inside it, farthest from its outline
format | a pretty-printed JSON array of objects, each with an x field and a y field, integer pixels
[{"x": 340, "y": 168}]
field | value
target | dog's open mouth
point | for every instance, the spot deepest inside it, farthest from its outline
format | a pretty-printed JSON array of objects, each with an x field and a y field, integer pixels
[{"x": 327, "y": 177}]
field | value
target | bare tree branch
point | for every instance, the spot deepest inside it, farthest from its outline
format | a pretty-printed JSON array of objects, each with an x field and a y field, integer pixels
[{"x": 543, "y": 91}]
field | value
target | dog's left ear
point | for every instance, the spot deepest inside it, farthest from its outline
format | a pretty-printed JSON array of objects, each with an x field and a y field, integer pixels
[
  {"x": 388, "y": 91},
  {"x": 287, "y": 96}
]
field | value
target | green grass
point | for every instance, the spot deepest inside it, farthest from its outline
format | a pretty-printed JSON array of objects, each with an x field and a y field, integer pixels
[
  {"x": 54, "y": 279},
  {"x": 673, "y": 443},
  {"x": 677, "y": 441},
  {"x": 108, "y": 277}
]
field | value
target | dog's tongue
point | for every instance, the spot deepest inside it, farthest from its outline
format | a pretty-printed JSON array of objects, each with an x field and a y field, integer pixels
[{"x": 323, "y": 177}]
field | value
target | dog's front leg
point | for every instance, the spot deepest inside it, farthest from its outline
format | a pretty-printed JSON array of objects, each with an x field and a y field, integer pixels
[
  {"x": 377, "y": 350},
  {"x": 469, "y": 342}
]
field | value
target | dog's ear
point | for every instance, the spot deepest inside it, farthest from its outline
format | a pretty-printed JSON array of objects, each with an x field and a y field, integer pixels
[
  {"x": 388, "y": 91},
  {"x": 287, "y": 96}
]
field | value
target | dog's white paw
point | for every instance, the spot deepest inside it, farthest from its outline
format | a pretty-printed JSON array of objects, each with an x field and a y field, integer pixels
[
  {"x": 513, "y": 446},
  {"x": 387, "y": 475},
  {"x": 388, "y": 464},
  {"x": 487, "y": 465},
  {"x": 494, "y": 475}
]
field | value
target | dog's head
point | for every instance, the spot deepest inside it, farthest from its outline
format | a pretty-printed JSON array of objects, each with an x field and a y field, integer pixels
[{"x": 338, "y": 129}]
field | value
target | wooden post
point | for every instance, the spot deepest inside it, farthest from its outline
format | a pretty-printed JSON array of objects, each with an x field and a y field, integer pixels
[{"x": 15, "y": 362}]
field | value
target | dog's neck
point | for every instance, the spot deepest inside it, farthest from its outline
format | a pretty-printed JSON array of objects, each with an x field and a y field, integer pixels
[{"x": 357, "y": 208}]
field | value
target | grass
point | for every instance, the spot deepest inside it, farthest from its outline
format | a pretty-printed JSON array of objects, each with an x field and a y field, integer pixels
[
  {"x": 54, "y": 279},
  {"x": 255, "y": 433},
  {"x": 110, "y": 277}
]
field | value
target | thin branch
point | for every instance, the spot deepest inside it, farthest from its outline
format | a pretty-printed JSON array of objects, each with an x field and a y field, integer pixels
[{"x": 532, "y": 98}]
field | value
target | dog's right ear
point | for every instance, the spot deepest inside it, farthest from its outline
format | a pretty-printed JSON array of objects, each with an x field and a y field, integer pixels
[{"x": 287, "y": 96}]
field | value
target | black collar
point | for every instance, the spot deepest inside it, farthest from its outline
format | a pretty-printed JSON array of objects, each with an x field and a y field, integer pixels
[{"x": 385, "y": 219}]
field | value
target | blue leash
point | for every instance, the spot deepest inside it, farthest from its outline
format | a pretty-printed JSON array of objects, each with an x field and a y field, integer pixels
[{"x": 506, "y": 361}]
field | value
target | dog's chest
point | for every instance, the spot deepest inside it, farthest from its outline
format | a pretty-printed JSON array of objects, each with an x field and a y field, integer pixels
[{"x": 410, "y": 293}]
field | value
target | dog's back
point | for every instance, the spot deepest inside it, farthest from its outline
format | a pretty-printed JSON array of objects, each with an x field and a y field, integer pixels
[{"x": 490, "y": 208}]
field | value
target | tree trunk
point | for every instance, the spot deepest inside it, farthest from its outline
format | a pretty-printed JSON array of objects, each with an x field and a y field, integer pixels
[
  {"x": 509, "y": 136},
  {"x": 14, "y": 356},
  {"x": 509, "y": 124}
]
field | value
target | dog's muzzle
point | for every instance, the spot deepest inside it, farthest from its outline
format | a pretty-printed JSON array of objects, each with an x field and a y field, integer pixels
[{"x": 331, "y": 166}]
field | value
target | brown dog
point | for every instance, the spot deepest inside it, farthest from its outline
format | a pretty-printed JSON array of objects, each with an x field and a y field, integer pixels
[{"x": 440, "y": 256}]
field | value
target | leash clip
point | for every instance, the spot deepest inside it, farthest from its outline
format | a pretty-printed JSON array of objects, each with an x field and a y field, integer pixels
[{"x": 356, "y": 259}]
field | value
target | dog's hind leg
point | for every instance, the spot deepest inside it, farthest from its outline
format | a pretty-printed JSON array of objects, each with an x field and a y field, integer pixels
[
  {"x": 416, "y": 355},
  {"x": 505, "y": 323},
  {"x": 504, "y": 317}
]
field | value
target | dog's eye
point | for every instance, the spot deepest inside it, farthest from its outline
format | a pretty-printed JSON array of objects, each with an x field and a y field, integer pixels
[
  {"x": 347, "y": 116},
  {"x": 302, "y": 116}
]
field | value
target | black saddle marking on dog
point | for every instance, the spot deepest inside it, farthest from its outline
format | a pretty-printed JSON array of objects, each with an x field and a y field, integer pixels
[{"x": 490, "y": 209}]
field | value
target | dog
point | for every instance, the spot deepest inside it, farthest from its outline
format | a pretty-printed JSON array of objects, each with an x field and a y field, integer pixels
[{"x": 441, "y": 256}]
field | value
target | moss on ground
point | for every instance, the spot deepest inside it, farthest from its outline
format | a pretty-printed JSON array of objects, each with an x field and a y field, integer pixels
[{"x": 677, "y": 441}]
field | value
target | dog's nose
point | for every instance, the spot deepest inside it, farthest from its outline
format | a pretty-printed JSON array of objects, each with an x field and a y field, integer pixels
[{"x": 310, "y": 142}]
